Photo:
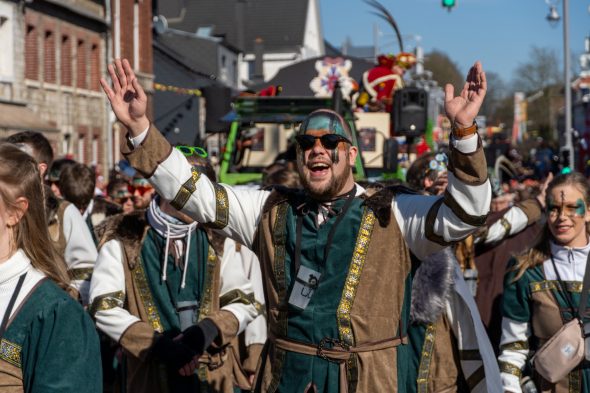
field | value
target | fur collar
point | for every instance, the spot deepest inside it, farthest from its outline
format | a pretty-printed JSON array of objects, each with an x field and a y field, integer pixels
[{"x": 432, "y": 286}]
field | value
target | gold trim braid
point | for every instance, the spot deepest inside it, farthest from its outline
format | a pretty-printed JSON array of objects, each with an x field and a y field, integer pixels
[
  {"x": 279, "y": 239},
  {"x": 571, "y": 286},
  {"x": 221, "y": 208},
  {"x": 426, "y": 358},
  {"x": 349, "y": 293},
  {"x": 146, "y": 297},
  {"x": 510, "y": 368},
  {"x": 107, "y": 302},
  {"x": 186, "y": 190},
  {"x": 515, "y": 346},
  {"x": 207, "y": 302},
  {"x": 81, "y": 273},
  {"x": 10, "y": 352}
]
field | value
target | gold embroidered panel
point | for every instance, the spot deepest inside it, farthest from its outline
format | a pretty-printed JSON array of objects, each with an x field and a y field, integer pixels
[
  {"x": 147, "y": 299},
  {"x": 83, "y": 273},
  {"x": 571, "y": 286},
  {"x": 186, "y": 190},
  {"x": 353, "y": 279},
  {"x": 207, "y": 300},
  {"x": 515, "y": 346},
  {"x": 426, "y": 358},
  {"x": 354, "y": 276},
  {"x": 509, "y": 368},
  {"x": 107, "y": 302},
  {"x": 10, "y": 352},
  {"x": 221, "y": 207}
]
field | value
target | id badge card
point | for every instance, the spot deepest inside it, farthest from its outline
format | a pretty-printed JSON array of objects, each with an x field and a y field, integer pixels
[{"x": 306, "y": 283}]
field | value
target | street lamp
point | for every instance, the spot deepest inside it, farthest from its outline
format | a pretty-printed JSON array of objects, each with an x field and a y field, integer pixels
[{"x": 553, "y": 18}]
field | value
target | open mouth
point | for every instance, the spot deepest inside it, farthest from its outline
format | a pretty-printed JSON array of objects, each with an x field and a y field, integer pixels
[{"x": 319, "y": 169}]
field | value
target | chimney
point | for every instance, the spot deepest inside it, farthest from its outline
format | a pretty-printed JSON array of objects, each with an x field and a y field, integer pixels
[{"x": 258, "y": 76}]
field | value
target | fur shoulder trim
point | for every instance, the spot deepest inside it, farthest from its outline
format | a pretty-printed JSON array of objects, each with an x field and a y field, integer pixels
[
  {"x": 432, "y": 286},
  {"x": 280, "y": 194}
]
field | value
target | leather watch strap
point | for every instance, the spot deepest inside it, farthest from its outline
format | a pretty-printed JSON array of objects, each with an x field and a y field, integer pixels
[{"x": 460, "y": 132}]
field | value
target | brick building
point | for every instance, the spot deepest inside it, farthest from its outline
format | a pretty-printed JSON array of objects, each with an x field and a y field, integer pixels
[{"x": 54, "y": 53}]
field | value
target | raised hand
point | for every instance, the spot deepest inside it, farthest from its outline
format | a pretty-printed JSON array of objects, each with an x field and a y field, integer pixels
[
  {"x": 462, "y": 110},
  {"x": 127, "y": 97}
]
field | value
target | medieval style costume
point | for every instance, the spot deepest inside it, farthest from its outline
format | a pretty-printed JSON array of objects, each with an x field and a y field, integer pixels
[
  {"x": 535, "y": 308},
  {"x": 451, "y": 351},
  {"x": 507, "y": 232},
  {"x": 49, "y": 344},
  {"x": 255, "y": 335},
  {"x": 337, "y": 275},
  {"x": 73, "y": 241},
  {"x": 156, "y": 276}
]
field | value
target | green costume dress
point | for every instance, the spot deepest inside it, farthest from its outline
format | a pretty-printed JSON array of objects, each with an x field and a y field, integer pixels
[{"x": 50, "y": 346}]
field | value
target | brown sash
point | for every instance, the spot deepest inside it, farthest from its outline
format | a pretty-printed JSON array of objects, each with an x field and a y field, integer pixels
[{"x": 339, "y": 353}]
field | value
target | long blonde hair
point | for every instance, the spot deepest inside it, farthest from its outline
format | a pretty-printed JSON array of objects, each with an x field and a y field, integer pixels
[
  {"x": 19, "y": 177},
  {"x": 541, "y": 251}
]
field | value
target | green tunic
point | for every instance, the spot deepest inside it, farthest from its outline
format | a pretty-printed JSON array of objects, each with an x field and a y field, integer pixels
[
  {"x": 319, "y": 319},
  {"x": 534, "y": 299},
  {"x": 54, "y": 344},
  {"x": 167, "y": 294}
]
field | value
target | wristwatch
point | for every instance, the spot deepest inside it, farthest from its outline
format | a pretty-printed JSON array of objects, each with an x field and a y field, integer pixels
[{"x": 460, "y": 132}]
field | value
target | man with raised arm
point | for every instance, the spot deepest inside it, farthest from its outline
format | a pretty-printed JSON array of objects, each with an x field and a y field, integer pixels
[{"x": 335, "y": 261}]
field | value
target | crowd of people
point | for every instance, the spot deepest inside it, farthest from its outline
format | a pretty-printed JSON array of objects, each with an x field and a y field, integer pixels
[{"x": 165, "y": 280}]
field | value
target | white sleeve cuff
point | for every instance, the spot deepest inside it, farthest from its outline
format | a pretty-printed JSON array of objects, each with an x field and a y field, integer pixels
[
  {"x": 136, "y": 141},
  {"x": 467, "y": 145}
]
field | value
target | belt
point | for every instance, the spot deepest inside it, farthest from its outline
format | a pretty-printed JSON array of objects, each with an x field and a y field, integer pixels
[{"x": 334, "y": 350}]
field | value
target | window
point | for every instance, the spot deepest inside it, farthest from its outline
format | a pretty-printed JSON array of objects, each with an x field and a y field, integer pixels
[
  {"x": 82, "y": 148},
  {"x": 94, "y": 67},
  {"x": 31, "y": 59},
  {"x": 81, "y": 65},
  {"x": 66, "y": 61},
  {"x": 49, "y": 57}
]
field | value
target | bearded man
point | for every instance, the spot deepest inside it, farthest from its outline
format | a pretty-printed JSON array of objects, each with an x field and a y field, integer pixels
[{"x": 336, "y": 263}]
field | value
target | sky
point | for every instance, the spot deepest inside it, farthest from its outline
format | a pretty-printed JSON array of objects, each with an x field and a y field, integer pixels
[{"x": 499, "y": 33}]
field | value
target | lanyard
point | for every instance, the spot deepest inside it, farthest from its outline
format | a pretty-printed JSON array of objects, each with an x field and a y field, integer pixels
[
  {"x": 349, "y": 198},
  {"x": 19, "y": 284}
]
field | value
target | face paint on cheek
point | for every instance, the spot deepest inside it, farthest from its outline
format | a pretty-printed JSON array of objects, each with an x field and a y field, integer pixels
[
  {"x": 334, "y": 155},
  {"x": 580, "y": 208}
]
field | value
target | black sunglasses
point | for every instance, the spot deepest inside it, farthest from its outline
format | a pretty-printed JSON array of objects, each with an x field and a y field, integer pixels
[{"x": 329, "y": 141}]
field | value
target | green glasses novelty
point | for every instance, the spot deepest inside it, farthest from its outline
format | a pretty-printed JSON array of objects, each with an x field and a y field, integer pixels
[{"x": 192, "y": 151}]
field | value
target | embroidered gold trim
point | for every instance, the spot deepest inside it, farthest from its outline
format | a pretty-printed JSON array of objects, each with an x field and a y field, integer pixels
[
  {"x": 279, "y": 232},
  {"x": 221, "y": 207},
  {"x": 547, "y": 285},
  {"x": 470, "y": 354},
  {"x": 82, "y": 273},
  {"x": 509, "y": 368},
  {"x": 146, "y": 297},
  {"x": 186, "y": 190},
  {"x": 106, "y": 302},
  {"x": 236, "y": 296},
  {"x": 349, "y": 293},
  {"x": 515, "y": 346},
  {"x": 10, "y": 352},
  {"x": 507, "y": 226},
  {"x": 207, "y": 300},
  {"x": 426, "y": 358},
  {"x": 354, "y": 275}
]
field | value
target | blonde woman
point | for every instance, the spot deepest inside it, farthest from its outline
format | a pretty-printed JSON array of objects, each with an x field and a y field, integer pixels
[
  {"x": 542, "y": 291},
  {"x": 47, "y": 342}
]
